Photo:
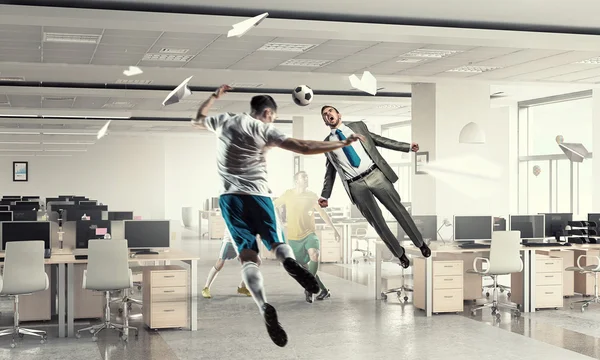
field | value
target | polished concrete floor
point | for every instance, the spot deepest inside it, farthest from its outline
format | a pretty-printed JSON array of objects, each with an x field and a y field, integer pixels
[{"x": 350, "y": 325}]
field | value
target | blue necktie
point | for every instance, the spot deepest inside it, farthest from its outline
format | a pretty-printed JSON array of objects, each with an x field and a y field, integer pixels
[{"x": 351, "y": 154}]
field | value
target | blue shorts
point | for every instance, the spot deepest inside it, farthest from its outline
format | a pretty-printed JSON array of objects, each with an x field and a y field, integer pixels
[{"x": 247, "y": 216}]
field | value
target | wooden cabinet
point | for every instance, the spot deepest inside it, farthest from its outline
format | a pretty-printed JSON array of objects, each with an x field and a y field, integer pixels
[
  {"x": 165, "y": 297},
  {"x": 37, "y": 306},
  {"x": 548, "y": 289},
  {"x": 568, "y": 277},
  {"x": 331, "y": 249},
  {"x": 447, "y": 285},
  {"x": 88, "y": 304},
  {"x": 216, "y": 226}
]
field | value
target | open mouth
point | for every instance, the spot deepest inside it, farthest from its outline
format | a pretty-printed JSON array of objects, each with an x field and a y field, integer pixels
[{"x": 331, "y": 118}]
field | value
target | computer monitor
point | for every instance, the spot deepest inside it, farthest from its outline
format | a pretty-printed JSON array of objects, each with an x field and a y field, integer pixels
[
  {"x": 26, "y": 231},
  {"x": 24, "y": 215},
  {"x": 147, "y": 234},
  {"x": 469, "y": 228},
  {"x": 6, "y": 202},
  {"x": 88, "y": 202},
  {"x": 11, "y": 197},
  {"x": 30, "y": 198},
  {"x": 4, "y": 207},
  {"x": 530, "y": 226},
  {"x": 595, "y": 217},
  {"x": 87, "y": 230},
  {"x": 6, "y": 216},
  {"x": 427, "y": 226},
  {"x": 499, "y": 224},
  {"x": 94, "y": 214},
  {"x": 556, "y": 223},
  {"x": 25, "y": 205},
  {"x": 120, "y": 215}
]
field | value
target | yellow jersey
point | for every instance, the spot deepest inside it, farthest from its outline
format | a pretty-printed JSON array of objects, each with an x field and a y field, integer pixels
[{"x": 300, "y": 209}]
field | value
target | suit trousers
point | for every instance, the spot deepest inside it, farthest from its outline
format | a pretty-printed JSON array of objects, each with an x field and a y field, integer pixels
[{"x": 376, "y": 185}]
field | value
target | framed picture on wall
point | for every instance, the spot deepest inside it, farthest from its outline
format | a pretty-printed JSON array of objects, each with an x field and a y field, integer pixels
[
  {"x": 421, "y": 158},
  {"x": 20, "y": 171}
]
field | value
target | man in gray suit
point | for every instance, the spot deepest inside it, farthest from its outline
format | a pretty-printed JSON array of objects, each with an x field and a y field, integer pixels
[{"x": 366, "y": 176}]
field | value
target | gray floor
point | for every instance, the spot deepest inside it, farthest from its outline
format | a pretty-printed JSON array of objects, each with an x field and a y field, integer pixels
[{"x": 350, "y": 325}]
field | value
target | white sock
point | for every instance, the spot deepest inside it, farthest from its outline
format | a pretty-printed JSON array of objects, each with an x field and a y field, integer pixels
[
  {"x": 242, "y": 284},
  {"x": 283, "y": 252},
  {"x": 254, "y": 280},
  {"x": 212, "y": 275}
]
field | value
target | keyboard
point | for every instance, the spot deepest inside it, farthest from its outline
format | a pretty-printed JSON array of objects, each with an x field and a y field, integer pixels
[
  {"x": 81, "y": 257},
  {"x": 545, "y": 244},
  {"x": 474, "y": 246}
]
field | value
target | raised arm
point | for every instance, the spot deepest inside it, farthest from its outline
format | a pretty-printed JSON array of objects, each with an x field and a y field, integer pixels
[
  {"x": 198, "y": 121},
  {"x": 390, "y": 144},
  {"x": 311, "y": 147}
]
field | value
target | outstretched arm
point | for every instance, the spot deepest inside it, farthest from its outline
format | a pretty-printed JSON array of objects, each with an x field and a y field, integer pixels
[
  {"x": 325, "y": 216},
  {"x": 391, "y": 144},
  {"x": 198, "y": 121},
  {"x": 311, "y": 147}
]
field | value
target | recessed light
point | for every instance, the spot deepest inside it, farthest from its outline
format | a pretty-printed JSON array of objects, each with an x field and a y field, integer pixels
[
  {"x": 592, "y": 61},
  {"x": 173, "y": 51},
  {"x": 473, "y": 69},
  {"x": 286, "y": 47},
  {"x": 119, "y": 105},
  {"x": 390, "y": 106},
  {"x": 167, "y": 57},
  {"x": 58, "y": 98},
  {"x": 72, "y": 38},
  {"x": 133, "y": 82},
  {"x": 409, "y": 60},
  {"x": 12, "y": 78},
  {"x": 306, "y": 62},
  {"x": 430, "y": 53},
  {"x": 246, "y": 85}
]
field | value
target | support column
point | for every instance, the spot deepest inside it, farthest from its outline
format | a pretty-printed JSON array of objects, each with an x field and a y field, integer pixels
[
  {"x": 298, "y": 132},
  {"x": 595, "y": 147}
]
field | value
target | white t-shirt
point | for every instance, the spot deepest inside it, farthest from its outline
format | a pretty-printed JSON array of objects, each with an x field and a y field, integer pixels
[{"x": 241, "y": 149}]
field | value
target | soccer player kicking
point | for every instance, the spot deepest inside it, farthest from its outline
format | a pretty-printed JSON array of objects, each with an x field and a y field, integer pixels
[
  {"x": 300, "y": 205},
  {"x": 227, "y": 252},
  {"x": 246, "y": 203}
]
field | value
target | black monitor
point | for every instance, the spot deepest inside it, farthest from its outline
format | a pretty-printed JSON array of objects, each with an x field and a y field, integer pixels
[
  {"x": 530, "y": 226},
  {"x": 26, "y": 231},
  {"x": 87, "y": 202},
  {"x": 147, "y": 234},
  {"x": 595, "y": 217},
  {"x": 6, "y": 202},
  {"x": 94, "y": 214},
  {"x": 556, "y": 223},
  {"x": 25, "y": 205},
  {"x": 6, "y": 216},
  {"x": 499, "y": 224},
  {"x": 54, "y": 199},
  {"x": 30, "y": 198},
  {"x": 4, "y": 207},
  {"x": 93, "y": 207},
  {"x": 11, "y": 197},
  {"x": 24, "y": 215},
  {"x": 120, "y": 215},
  {"x": 87, "y": 230},
  {"x": 469, "y": 228},
  {"x": 427, "y": 226}
]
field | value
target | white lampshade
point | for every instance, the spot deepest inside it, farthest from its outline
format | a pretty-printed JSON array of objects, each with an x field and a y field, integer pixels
[{"x": 471, "y": 134}]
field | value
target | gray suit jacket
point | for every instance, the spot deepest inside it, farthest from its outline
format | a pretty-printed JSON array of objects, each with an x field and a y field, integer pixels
[{"x": 370, "y": 145}]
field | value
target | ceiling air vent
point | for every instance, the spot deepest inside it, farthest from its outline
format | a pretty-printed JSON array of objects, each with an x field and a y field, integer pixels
[{"x": 72, "y": 38}]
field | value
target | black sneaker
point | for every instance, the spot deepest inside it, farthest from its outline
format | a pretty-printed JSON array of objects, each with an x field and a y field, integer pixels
[
  {"x": 425, "y": 250},
  {"x": 301, "y": 275},
  {"x": 274, "y": 328},
  {"x": 309, "y": 297},
  {"x": 324, "y": 294}
]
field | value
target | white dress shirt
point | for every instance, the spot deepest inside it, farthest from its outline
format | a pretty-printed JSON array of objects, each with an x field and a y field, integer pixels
[{"x": 341, "y": 158}]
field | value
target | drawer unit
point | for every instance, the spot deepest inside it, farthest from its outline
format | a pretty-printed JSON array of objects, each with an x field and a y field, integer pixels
[
  {"x": 548, "y": 282},
  {"x": 448, "y": 279},
  {"x": 216, "y": 227},
  {"x": 166, "y": 297}
]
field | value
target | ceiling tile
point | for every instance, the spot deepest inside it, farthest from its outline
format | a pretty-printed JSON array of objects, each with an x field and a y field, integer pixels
[
  {"x": 126, "y": 41},
  {"x": 208, "y": 65},
  {"x": 591, "y": 72},
  {"x": 552, "y": 72},
  {"x": 25, "y": 101},
  {"x": 67, "y": 54},
  {"x": 519, "y": 57},
  {"x": 164, "y": 64},
  {"x": 16, "y": 45},
  {"x": 72, "y": 30},
  {"x": 255, "y": 65},
  {"x": 329, "y": 49},
  {"x": 213, "y": 54},
  {"x": 220, "y": 45},
  {"x": 20, "y": 57},
  {"x": 189, "y": 36},
  {"x": 66, "y": 60},
  {"x": 295, "y": 68},
  {"x": 57, "y": 104},
  {"x": 116, "y": 60},
  {"x": 368, "y": 59},
  {"x": 21, "y": 28},
  {"x": 84, "y": 102},
  {"x": 121, "y": 49},
  {"x": 351, "y": 43},
  {"x": 132, "y": 33},
  {"x": 26, "y": 37},
  {"x": 68, "y": 47}
]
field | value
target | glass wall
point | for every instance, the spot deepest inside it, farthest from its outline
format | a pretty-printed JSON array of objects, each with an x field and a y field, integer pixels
[{"x": 548, "y": 181}]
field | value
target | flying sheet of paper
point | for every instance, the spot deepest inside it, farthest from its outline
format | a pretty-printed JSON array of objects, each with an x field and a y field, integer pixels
[
  {"x": 182, "y": 91},
  {"x": 103, "y": 131},
  {"x": 368, "y": 83},
  {"x": 132, "y": 71},
  {"x": 243, "y": 27}
]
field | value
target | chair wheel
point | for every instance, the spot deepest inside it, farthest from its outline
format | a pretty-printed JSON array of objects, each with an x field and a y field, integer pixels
[
  {"x": 508, "y": 294},
  {"x": 91, "y": 331},
  {"x": 21, "y": 335},
  {"x": 120, "y": 311},
  {"x": 406, "y": 298},
  {"x": 43, "y": 341},
  {"x": 94, "y": 338},
  {"x": 498, "y": 315},
  {"x": 487, "y": 294},
  {"x": 78, "y": 335},
  {"x": 13, "y": 345},
  {"x": 501, "y": 290}
]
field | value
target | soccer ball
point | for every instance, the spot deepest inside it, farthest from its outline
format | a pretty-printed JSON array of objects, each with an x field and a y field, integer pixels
[{"x": 302, "y": 95}]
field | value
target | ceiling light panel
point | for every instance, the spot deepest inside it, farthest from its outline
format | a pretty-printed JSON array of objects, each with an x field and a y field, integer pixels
[
  {"x": 430, "y": 53},
  {"x": 473, "y": 69},
  {"x": 286, "y": 47},
  {"x": 410, "y": 60},
  {"x": 173, "y": 51},
  {"x": 133, "y": 82},
  {"x": 119, "y": 105},
  {"x": 167, "y": 57},
  {"x": 246, "y": 85},
  {"x": 12, "y": 78},
  {"x": 72, "y": 38},
  {"x": 592, "y": 61},
  {"x": 306, "y": 62}
]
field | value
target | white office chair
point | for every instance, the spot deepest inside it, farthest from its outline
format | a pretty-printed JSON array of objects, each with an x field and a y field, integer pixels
[
  {"x": 589, "y": 269},
  {"x": 505, "y": 259},
  {"x": 361, "y": 252},
  {"x": 107, "y": 270},
  {"x": 401, "y": 291},
  {"x": 24, "y": 273}
]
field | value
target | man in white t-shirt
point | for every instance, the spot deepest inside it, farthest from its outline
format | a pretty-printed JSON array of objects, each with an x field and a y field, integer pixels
[
  {"x": 228, "y": 251},
  {"x": 246, "y": 200}
]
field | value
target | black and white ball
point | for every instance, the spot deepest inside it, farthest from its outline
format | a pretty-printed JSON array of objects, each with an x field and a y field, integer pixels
[{"x": 302, "y": 95}]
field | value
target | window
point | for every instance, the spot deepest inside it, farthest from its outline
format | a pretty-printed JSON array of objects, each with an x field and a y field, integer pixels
[{"x": 548, "y": 181}]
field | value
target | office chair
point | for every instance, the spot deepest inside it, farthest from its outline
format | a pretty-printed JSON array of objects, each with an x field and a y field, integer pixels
[
  {"x": 107, "y": 270},
  {"x": 402, "y": 291},
  {"x": 589, "y": 269},
  {"x": 125, "y": 295},
  {"x": 360, "y": 235},
  {"x": 505, "y": 259},
  {"x": 24, "y": 273}
]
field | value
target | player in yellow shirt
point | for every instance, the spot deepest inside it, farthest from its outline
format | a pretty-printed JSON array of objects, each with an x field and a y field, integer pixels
[{"x": 300, "y": 206}]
